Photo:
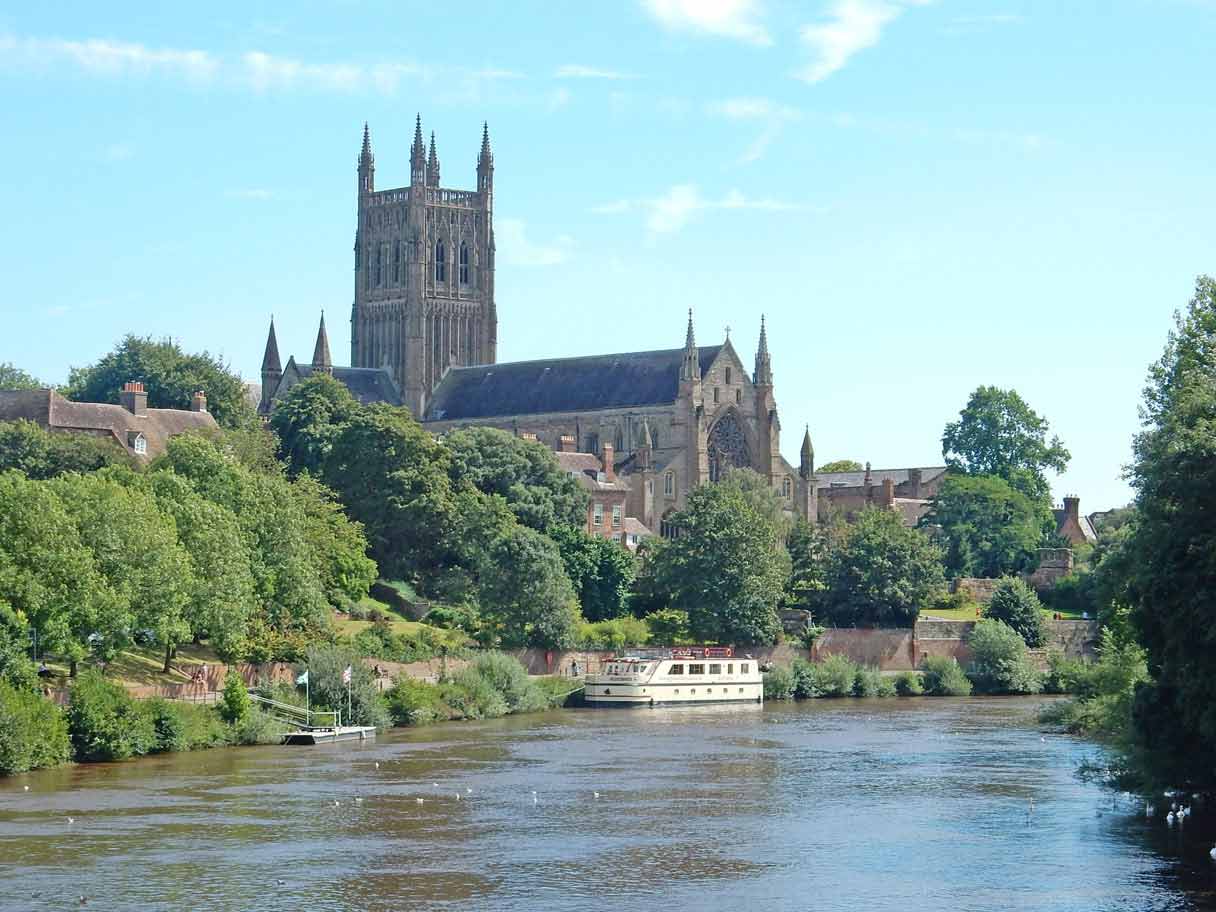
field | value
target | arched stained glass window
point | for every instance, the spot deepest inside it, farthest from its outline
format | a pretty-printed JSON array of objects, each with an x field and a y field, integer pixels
[{"x": 441, "y": 262}]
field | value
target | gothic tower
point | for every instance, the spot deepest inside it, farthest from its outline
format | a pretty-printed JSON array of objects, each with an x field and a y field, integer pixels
[{"x": 424, "y": 272}]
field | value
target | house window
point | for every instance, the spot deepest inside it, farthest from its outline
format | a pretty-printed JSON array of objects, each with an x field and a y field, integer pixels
[
  {"x": 464, "y": 263},
  {"x": 786, "y": 487},
  {"x": 441, "y": 262},
  {"x": 616, "y": 516},
  {"x": 597, "y": 514},
  {"x": 669, "y": 484},
  {"x": 396, "y": 262},
  {"x": 728, "y": 376},
  {"x": 633, "y": 539},
  {"x": 141, "y": 445}
]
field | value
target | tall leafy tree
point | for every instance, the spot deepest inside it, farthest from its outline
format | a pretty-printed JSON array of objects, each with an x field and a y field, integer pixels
[
  {"x": 308, "y": 418},
  {"x": 1014, "y": 603},
  {"x": 171, "y": 377},
  {"x": 986, "y": 526},
  {"x": 811, "y": 546},
  {"x": 339, "y": 543},
  {"x": 14, "y": 378},
  {"x": 882, "y": 574},
  {"x": 524, "y": 472},
  {"x": 727, "y": 568},
  {"x": 840, "y": 465},
  {"x": 997, "y": 433},
  {"x": 602, "y": 572},
  {"x": 1173, "y": 540},
  {"x": 526, "y": 596},
  {"x": 40, "y": 454}
]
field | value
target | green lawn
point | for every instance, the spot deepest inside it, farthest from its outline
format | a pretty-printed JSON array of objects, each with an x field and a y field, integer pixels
[{"x": 968, "y": 614}]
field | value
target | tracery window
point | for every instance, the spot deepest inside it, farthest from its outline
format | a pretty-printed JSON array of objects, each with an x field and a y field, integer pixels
[
  {"x": 378, "y": 259},
  {"x": 727, "y": 446},
  {"x": 669, "y": 484},
  {"x": 464, "y": 263},
  {"x": 786, "y": 487},
  {"x": 441, "y": 264},
  {"x": 396, "y": 262}
]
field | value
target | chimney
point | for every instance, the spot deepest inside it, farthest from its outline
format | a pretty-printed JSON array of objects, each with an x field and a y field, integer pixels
[
  {"x": 133, "y": 398},
  {"x": 914, "y": 482},
  {"x": 888, "y": 492},
  {"x": 198, "y": 403},
  {"x": 565, "y": 443},
  {"x": 1072, "y": 507},
  {"x": 609, "y": 475}
]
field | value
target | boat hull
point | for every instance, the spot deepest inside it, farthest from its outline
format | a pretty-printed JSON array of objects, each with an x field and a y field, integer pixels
[{"x": 610, "y": 694}]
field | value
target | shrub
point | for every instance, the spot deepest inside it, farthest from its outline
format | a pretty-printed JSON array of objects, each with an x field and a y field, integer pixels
[
  {"x": 105, "y": 723},
  {"x": 909, "y": 684},
  {"x": 510, "y": 679},
  {"x": 474, "y": 697},
  {"x": 942, "y": 676},
  {"x": 835, "y": 677},
  {"x": 325, "y": 666},
  {"x": 33, "y": 731},
  {"x": 613, "y": 634},
  {"x": 257, "y": 727},
  {"x": 235, "y": 703},
  {"x": 805, "y": 681},
  {"x": 870, "y": 682},
  {"x": 669, "y": 626},
  {"x": 999, "y": 663},
  {"x": 414, "y": 702},
  {"x": 168, "y": 726},
  {"x": 1015, "y": 604},
  {"x": 778, "y": 683},
  {"x": 1064, "y": 676}
]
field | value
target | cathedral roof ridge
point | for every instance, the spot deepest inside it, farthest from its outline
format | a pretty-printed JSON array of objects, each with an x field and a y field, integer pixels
[{"x": 704, "y": 350}]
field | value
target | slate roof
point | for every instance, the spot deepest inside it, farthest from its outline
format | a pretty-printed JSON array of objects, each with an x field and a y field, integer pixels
[
  {"x": 50, "y": 410},
  {"x": 1087, "y": 527},
  {"x": 586, "y": 467},
  {"x": 624, "y": 380},
  {"x": 877, "y": 476},
  {"x": 367, "y": 384}
]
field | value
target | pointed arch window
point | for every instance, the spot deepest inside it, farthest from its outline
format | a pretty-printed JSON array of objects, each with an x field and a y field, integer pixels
[
  {"x": 379, "y": 258},
  {"x": 669, "y": 484},
  {"x": 464, "y": 263},
  {"x": 396, "y": 262},
  {"x": 786, "y": 487},
  {"x": 441, "y": 262}
]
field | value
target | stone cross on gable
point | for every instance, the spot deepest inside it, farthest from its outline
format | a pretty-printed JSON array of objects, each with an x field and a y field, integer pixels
[{"x": 728, "y": 332}]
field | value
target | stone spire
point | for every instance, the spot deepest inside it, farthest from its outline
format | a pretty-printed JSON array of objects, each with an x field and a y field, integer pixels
[
  {"x": 806, "y": 464},
  {"x": 270, "y": 360},
  {"x": 321, "y": 361},
  {"x": 367, "y": 164},
  {"x": 690, "y": 368},
  {"x": 418, "y": 156},
  {"x": 764, "y": 362},
  {"x": 485, "y": 161},
  {"x": 432, "y": 165}
]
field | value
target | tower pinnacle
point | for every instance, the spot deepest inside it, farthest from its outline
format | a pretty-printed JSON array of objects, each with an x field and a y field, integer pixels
[
  {"x": 432, "y": 165},
  {"x": 764, "y": 362},
  {"x": 270, "y": 360},
  {"x": 321, "y": 360},
  {"x": 418, "y": 156},
  {"x": 806, "y": 464},
  {"x": 367, "y": 163},
  {"x": 485, "y": 161},
  {"x": 690, "y": 369}
]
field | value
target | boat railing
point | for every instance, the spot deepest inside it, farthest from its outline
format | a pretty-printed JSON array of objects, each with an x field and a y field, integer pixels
[{"x": 296, "y": 715}]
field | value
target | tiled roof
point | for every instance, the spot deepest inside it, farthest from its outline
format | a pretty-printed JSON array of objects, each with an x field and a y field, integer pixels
[
  {"x": 585, "y": 467},
  {"x": 367, "y": 384},
  {"x": 624, "y": 380},
  {"x": 877, "y": 476}
]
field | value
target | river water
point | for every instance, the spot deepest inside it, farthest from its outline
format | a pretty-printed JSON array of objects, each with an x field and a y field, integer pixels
[{"x": 826, "y": 805}]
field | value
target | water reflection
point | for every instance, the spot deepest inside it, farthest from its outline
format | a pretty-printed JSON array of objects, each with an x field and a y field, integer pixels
[{"x": 847, "y": 804}]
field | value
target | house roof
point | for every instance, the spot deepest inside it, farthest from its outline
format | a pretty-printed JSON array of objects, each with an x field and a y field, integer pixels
[
  {"x": 1087, "y": 528},
  {"x": 623, "y": 380},
  {"x": 586, "y": 467},
  {"x": 366, "y": 384},
  {"x": 877, "y": 476},
  {"x": 47, "y": 408}
]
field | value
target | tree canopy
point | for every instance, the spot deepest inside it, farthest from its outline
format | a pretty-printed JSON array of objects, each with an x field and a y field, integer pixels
[
  {"x": 38, "y": 453},
  {"x": 1014, "y": 603},
  {"x": 840, "y": 465},
  {"x": 307, "y": 419},
  {"x": 986, "y": 527},
  {"x": 170, "y": 376},
  {"x": 601, "y": 571},
  {"x": 882, "y": 573},
  {"x": 997, "y": 433},
  {"x": 14, "y": 378}
]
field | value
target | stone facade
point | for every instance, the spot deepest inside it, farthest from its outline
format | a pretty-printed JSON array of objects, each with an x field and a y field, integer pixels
[{"x": 905, "y": 491}]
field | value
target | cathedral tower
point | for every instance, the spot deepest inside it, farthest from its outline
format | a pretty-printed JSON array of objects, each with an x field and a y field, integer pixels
[{"x": 424, "y": 272}]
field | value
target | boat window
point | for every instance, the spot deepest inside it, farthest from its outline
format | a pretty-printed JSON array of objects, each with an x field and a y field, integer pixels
[
  {"x": 676, "y": 670},
  {"x": 715, "y": 669},
  {"x": 743, "y": 668},
  {"x": 641, "y": 669},
  {"x": 696, "y": 669},
  {"x": 730, "y": 669}
]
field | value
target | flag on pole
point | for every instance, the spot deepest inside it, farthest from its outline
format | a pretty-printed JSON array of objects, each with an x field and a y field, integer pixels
[
  {"x": 346, "y": 675},
  {"x": 303, "y": 678}
]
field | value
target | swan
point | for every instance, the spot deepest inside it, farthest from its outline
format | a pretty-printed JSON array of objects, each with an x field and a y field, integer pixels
[
  {"x": 1212, "y": 854},
  {"x": 418, "y": 801},
  {"x": 377, "y": 764},
  {"x": 1169, "y": 818}
]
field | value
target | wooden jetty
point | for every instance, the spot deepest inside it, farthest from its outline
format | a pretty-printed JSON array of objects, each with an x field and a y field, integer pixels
[{"x": 329, "y": 734}]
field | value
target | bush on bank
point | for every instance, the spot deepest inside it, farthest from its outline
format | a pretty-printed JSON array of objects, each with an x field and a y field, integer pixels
[
  {"x": 33, "y": 731},
  {"x": 494, "y": 685}
]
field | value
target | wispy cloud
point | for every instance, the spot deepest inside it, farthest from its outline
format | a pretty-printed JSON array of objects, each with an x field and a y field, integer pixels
[
  {"x": 253, "y": 70},
  {"x": 579, "y": 71},
  {"x": 850, "y": 26},
  {"x": 723, "y": 18},
  {"x": 516, "y": 249},
  {"x": 771, "y": 114},
  {"x": 673, "y": 210}
]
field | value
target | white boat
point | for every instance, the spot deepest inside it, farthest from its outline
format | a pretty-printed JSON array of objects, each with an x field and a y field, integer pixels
[{"x": 696, "y": 674}]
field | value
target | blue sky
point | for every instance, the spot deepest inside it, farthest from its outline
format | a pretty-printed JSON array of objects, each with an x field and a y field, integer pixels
[{"x": 921, "y": 196}]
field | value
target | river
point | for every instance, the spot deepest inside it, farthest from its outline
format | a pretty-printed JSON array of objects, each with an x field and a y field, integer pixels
[{"x": 827, "y": 805}]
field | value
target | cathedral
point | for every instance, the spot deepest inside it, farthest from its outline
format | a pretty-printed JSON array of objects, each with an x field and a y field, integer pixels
[{"x": 424, "y": 335}]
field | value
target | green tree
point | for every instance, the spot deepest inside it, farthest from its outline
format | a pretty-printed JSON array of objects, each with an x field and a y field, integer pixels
[
  {"x": 340, "y": 545},
  {"x": 1173, "y": 546},
  {"x": 1015, "y": 604},
  {"x": 762, "y": 495},
  {"x": 33, "y": 732},
  {"x": 235, "y": 704},
  {"x": 811, "y": 546},
  {"x": 986, "y": 526},
  {"x": 999, "y": 663},
  {"x": 308, "y": 418},
  {"x": 997, "y": 433},
  {"x": 601, "y": 571},
  {"x": 47, "y": 576},
  {"x": 524, "y": 592},
  {"x": 40, "y": 454},
  {"x": 360, "y": 704},
  {"x": 14, "y": 378},
  {"x": 840, "y": 465},
  {"x": 136, "y": 549},
  {"x": 727, "y": 568},
  {"x": 525, "y": 473},
  {"x": 170, "y": 376},
  {"x": 882, "y": 574},
  {"x": 15, "y": 641}
]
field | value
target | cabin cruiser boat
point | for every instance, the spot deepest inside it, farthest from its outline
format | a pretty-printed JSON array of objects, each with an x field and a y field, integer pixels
[{"x": 694, "y": 674}]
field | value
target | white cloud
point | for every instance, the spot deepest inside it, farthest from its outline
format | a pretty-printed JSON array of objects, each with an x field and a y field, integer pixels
[
  {"x": 767, "y": 111},
  {"x": 265, "y": 72},
  {"x": 516, "y": 249},
  {"x": 578, "y": 71},
  {"x": 97, "y": 55},
  {"x": 723, "y": 18},
  {"x": 673, "y": 210},
  {"x": 851, "y": 26}
]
